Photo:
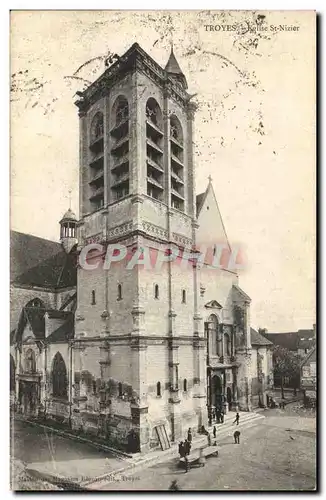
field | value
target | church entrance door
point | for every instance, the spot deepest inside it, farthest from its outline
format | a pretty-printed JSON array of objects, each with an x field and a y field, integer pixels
[
  {"x": 217, "y": 392},
  {"x": 29, "y": 397}
]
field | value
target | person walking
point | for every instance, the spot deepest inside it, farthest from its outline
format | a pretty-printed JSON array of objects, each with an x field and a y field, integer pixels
[
  {"x": 236, "y": 436},
  {"x": 222, "y": 417},
  {"x": 181, "y": 449},
  {"x": 189, "y": 437},
  {"x": 214, "y": 432},
  {"x": 237, "y": 418}
]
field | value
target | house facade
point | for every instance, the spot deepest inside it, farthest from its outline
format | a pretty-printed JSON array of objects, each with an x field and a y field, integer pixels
[{"x": 308, "y": 376}]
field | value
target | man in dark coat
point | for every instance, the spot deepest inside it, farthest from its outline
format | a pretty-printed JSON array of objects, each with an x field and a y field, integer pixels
[
  {"x": 189, "y": 437},
  {"x": 214, "y": 431},
  {"x": 236, "y": 436},
  {"x": 237, "y": 418}
]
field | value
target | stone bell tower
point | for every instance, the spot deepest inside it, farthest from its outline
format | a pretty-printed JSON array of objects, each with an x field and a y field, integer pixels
[{"x": 137, "y": 190}]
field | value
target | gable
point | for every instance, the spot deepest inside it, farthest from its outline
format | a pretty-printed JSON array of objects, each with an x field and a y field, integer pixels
[
  {"x": 211, "y": 228},
  {"x": 213, "y": 304}
]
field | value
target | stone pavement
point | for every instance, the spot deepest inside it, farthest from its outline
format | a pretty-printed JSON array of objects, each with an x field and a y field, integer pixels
[
  {"x": 277, "y": 455},
  {"x": 93, "y": 472},
  {"x": 139, "y": 461}
]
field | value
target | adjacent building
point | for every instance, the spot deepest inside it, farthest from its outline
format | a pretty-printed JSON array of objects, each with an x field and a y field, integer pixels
[
  {"x": 308, "y": 377},
  {"x": 300, "y": 342}
]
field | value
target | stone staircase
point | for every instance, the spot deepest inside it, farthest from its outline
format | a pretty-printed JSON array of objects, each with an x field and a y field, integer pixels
[{"x": 140, "y": 461}]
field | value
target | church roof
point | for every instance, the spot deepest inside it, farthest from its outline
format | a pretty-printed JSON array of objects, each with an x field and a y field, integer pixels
[
  {"x": 39, "y": 262},
  {"x": 58, "y": 271},
  {"x": 26, "y": 251},
  {"x": 35, "y": 318},
  {"x": 258, "y": 339},
  {"x": 65, "y": 331}
]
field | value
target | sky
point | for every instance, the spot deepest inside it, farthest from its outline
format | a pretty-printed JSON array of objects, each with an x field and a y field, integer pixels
[{"x": 254, "y": 130}]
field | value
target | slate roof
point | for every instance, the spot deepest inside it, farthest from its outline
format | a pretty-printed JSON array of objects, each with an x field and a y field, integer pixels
[
  {"x": 293, "y": 340},
  {"x": 34, "y": 316},
  {"x": 69, "y": 216},
  {"x": 64, "y": 332},
  {"x": 27, "y": 251},
  {"x": 258, "y": 339},
  {"x": 43, "y": 263}
]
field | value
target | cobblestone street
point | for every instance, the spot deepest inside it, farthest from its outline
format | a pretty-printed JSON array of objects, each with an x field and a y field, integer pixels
[{"x": 278, "y": 454}]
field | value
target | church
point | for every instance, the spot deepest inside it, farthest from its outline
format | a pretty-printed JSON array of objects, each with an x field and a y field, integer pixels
[{"x": 123, "y": 349}]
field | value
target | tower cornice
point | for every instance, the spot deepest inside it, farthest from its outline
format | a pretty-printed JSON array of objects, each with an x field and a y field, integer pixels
[{"x": 134, "y": 59}]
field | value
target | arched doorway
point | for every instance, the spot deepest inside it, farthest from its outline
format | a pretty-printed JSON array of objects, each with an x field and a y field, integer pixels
[
  {"x": 216, "y": 391},
  {"x": 59, "y": 377},
  {"x": 229, "y": 395}
]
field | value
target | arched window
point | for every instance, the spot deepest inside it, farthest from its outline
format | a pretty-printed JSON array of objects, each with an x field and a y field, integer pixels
[
  {"x": 158, "y": 389},
  {"x": 30, "y": 362},
  {"x": 121, "y": 110},
  {"x": 227, "y": 350},
  {"x": 120, "y": 390},
  {"x": 12, "y": 374},
  {"x": 156, "y": 292},
  {"x": 93, "y": 298},
  {"x": 153, "y": 112},
  {"x": 176, "y": 129},
  {"x": 97, "y": 127},
  {"x": 185, "y": 385},
  {"x": 59, "y": 377},
  {"x": 119, "y": 292},
  {"x": 184, "y": 296},
  {"x": 215, "y": 341}
]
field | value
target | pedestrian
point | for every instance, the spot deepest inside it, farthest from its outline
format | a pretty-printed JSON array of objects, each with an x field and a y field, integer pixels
[
  {"x": 236, "y": 436},
  {"x": 174, "y": 486},
  {"x": 237, "y": 418},
  {"x": 218, "y": 416},
  {"x": 209, "y": 439},
  {"x": 187, "y": 447},
  {"x": 189, "y": 435},
  {"x": 181, "y": 449},
  {"x": 222, "y": 417},
  {"x": 214, "y": 431}
]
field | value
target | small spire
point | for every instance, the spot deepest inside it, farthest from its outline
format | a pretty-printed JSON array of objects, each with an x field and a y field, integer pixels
[
  {"x": 210, "y": 179},
  {"x": 69, "y": 194}
]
